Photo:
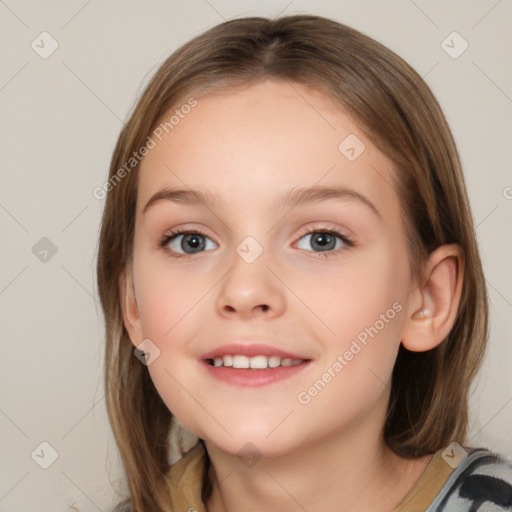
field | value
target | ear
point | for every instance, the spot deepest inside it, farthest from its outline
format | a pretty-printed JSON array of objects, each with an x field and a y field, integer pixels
[
  {"x": 131, "y": 316},
  {"x": 435, "y": 303}
]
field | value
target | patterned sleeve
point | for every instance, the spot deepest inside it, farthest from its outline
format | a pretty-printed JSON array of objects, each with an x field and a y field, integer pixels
[{"x": 482, "y": 483}]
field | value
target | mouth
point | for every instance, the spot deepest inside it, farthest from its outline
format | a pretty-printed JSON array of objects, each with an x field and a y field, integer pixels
[
  {"x": 258, "y": 362},
  {"x": 252, "y": 365}
]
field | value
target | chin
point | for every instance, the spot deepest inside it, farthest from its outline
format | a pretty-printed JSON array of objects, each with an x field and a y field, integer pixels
[{"x": 252, "y": 444}]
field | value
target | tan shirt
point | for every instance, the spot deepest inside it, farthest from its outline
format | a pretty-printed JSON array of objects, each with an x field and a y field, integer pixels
[{"x": 185, "y": 478}]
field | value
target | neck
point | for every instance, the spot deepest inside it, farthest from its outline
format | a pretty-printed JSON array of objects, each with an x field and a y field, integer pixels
[{"x": 347, "y": 470}]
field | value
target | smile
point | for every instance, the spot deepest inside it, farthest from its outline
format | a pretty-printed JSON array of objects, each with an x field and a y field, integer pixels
[
  {"x": 238, "y": 370},
  {"x": 257, "y": 362}
]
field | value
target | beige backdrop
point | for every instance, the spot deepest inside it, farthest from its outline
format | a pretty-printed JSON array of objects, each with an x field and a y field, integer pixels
[{"x": 63, "y": 97}]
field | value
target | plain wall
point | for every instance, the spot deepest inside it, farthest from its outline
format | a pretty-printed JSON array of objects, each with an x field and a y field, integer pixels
[{"x": 61, "y": 116}]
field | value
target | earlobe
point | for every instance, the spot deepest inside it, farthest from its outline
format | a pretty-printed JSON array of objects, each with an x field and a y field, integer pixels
[
  {"x": 129, "y": 306},
  {"x": 439, "y": 298}
]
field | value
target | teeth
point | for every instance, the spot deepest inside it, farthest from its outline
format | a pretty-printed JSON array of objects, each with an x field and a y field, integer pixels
[
  {"x": 258, "y": 362},
  {"x": 274, "y": 361},
  {"x": 240, "y": 362},
  {"x": 255, "y": 362}
]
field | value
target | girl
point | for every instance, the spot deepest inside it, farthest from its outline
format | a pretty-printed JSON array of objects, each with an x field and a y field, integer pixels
[{"x": 291, "y": 283}]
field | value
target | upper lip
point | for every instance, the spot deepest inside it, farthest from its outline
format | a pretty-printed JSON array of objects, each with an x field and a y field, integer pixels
[{"x": 249, "y": 350}]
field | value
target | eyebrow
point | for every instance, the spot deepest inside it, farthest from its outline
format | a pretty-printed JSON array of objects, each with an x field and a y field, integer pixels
[{"x": 295, "y": 197}]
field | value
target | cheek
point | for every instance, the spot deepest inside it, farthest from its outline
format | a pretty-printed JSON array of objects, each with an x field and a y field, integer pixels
[
  {"x": 369, "y": 290},
  {"x": 363, "y": 306},
  {"x": 168, "y": 302},
  {"x": 166, "y": 296}
]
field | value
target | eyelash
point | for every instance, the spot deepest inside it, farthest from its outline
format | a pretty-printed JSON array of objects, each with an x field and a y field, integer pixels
[{"x": 326, "y": 254}]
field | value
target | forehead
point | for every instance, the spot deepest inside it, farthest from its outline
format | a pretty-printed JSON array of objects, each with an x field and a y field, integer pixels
[{"x": 252, "y": 145}]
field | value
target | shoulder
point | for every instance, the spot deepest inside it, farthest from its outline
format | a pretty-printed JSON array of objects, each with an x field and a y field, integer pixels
[
  {"x": 184, "y": 481},
  {"x": 482, "y": 478},
  {"x": 189, "y": 467}
]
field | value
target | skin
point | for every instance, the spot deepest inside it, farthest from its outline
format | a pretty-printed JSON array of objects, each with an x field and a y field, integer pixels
[{"x": 251, "y": 146}]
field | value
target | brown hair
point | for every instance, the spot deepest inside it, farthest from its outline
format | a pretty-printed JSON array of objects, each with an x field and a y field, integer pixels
[{"x": 428, "y": 405}]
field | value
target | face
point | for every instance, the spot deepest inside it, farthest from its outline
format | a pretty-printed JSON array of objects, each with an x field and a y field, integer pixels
[{"x": 325, "y": 280}]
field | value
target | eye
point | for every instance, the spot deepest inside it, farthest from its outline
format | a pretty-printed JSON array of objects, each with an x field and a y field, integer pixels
[
  {"x": 181, "y": 243},
  {"x": 184, "y": 240},
  {"x": 326, "y": 241}
]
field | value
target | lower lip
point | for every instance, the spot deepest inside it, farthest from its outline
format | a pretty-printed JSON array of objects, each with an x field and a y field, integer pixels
[{"x": 250, "y": 377}]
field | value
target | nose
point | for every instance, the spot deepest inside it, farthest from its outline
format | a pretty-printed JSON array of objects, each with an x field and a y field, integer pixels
[{"x": 250, "y": 290}]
